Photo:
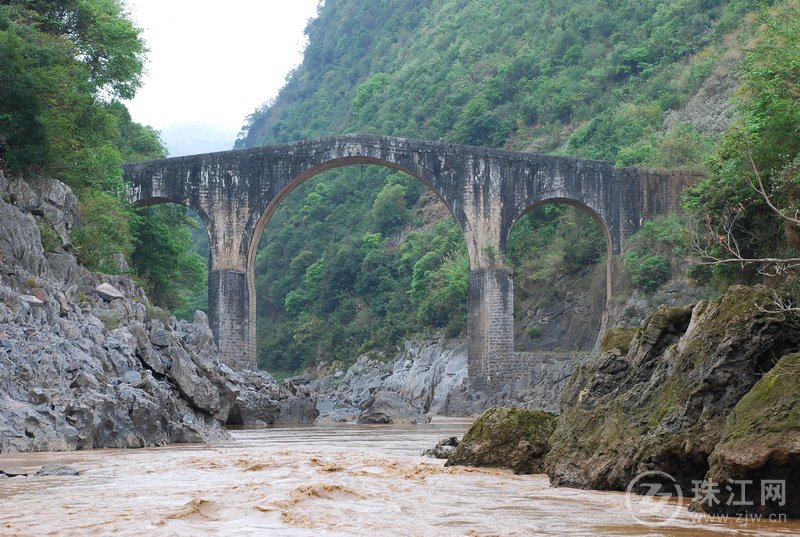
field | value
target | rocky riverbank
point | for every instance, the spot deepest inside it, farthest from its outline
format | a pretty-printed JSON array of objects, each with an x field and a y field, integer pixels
[
  {"x": 429, "y": 377},
  {"x": 86, "y": 362},
  {"x": 707, "y": 393},
  {"x": 700, "y": 392}
]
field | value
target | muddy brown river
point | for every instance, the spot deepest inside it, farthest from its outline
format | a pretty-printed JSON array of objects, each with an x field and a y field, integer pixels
[{"x": 341, "y": 480}]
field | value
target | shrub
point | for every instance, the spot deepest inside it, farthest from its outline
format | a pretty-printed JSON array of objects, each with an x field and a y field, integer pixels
[{"x": 647, "y": 270}]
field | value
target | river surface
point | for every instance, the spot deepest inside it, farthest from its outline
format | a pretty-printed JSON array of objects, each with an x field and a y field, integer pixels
[{"x": 339, "y": 480}]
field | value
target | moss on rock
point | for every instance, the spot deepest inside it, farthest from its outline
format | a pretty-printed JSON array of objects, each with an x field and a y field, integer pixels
[
  {"x": 663, "y": 405},
  {"x": 762, "y": 443},
  {"x": 618, "y": 338},
  {"x": 512, "y": 438}
]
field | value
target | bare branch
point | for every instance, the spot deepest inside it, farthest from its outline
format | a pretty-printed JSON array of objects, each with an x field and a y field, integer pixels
[
  {"x": 763, "y": 191},
  {"x": 726, "y": 239},
  {"x": 781, "y": 305}
]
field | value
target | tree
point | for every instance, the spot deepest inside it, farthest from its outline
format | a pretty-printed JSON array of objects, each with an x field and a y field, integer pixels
[
  {"x": 163, "y": 256},
  {"x": 749, "y": 202},
  {"x": 63, "y": 63}
]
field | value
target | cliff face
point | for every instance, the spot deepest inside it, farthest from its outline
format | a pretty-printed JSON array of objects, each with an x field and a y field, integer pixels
[
  {"x": 85, "y": 362},
  {"x": 686, "y": 388}
]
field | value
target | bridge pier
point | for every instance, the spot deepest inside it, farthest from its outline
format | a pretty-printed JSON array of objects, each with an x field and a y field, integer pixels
[
  {"x": 229, "y": 317},
  {"x": 491, "y": 359}
]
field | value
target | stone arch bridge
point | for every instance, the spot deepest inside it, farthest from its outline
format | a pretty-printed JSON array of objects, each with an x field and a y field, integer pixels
[{"x": 487, "y": 191}]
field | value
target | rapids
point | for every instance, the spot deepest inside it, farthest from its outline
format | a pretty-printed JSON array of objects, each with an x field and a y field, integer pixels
[{"x": 338, "y": 480}]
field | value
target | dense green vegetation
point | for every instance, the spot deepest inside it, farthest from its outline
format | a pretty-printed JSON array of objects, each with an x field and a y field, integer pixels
[
  {"x": 591, "y": 78},
  {"x": 757, "y": 163},
  {"x": 336, "y": 279},
  {"x": 64, "y": 66}
]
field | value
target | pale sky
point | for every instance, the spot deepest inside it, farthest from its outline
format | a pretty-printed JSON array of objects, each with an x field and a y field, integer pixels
[{"x": 213, "y": 62}]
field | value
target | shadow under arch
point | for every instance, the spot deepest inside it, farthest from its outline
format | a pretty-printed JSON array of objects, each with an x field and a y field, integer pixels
[{"x": 598, "y": 218}]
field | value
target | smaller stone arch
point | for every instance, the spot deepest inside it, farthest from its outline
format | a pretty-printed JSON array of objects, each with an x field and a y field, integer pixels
[{"x": 588, "y": 209}]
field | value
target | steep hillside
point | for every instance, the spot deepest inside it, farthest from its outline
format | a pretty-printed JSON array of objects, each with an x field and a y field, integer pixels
[
  {"x": 359, "y": 258},
  {"x": 591, "y": 77}
]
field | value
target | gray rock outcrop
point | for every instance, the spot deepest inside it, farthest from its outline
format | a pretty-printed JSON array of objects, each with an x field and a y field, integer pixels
[
  {"x": 387, "y": 407},
  {"x": 263, "y": 401},
  {"x": 431, "y": 377},
  {"x": 85, "y": 362}
]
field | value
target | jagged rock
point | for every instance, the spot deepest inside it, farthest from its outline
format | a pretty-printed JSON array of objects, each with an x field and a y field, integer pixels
[
  {"x": 762, "y": 442},
  {"x": 56, "y": 470},
  {"x": 513, "y": 438},
  {"x": 388, "y": 407},
  {"x": 108, "y": 292},
  {"x": 32, "y": 300},
  {"x": 149, "y": 356},
  {"x": 79, "y": 370},
  {"x": 443, "y": 449},
  {"x": 663, "y": 405},
  {"x": 262, "y": 401},
  {"x": 20, "y": 241}
]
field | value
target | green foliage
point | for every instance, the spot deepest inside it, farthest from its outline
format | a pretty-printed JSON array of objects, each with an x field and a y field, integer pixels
[
  {"x": 653, "y": 254},
  {"x": 647, "y": 271},
  {"x": 763, "y": 142},
  {"x": 164, "y": 258},
  {"x": 63, "y": 67},
  {"x": 105, "y": 235},
  {"x": 389, "y": 210},
  {"x": 554, "y": 240},
  {"x": 50, "y": 238},
  {"x": 62, "y": 64},
  {"x": 599, "y": 76}
]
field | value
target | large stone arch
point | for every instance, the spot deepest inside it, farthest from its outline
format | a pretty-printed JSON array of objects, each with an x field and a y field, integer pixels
[
  {"x": 313, "y": 169},
  {"x": 272, "y": 204}
]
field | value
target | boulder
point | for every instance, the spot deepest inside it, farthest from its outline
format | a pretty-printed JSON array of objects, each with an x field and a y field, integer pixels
[
  {"x": 443, "y": 449},
  {"x": 762, "y": 443},
  {"x": 388, "y": 407},
  {"x": 663, "y": 405},
  {"x": 263, "y": 401},
  {"x": 513, "y": 438},
  {"x": 108, "y": 292},
  {"x": 32, "y": 300},
  {"x": 56, "y": 470}
]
